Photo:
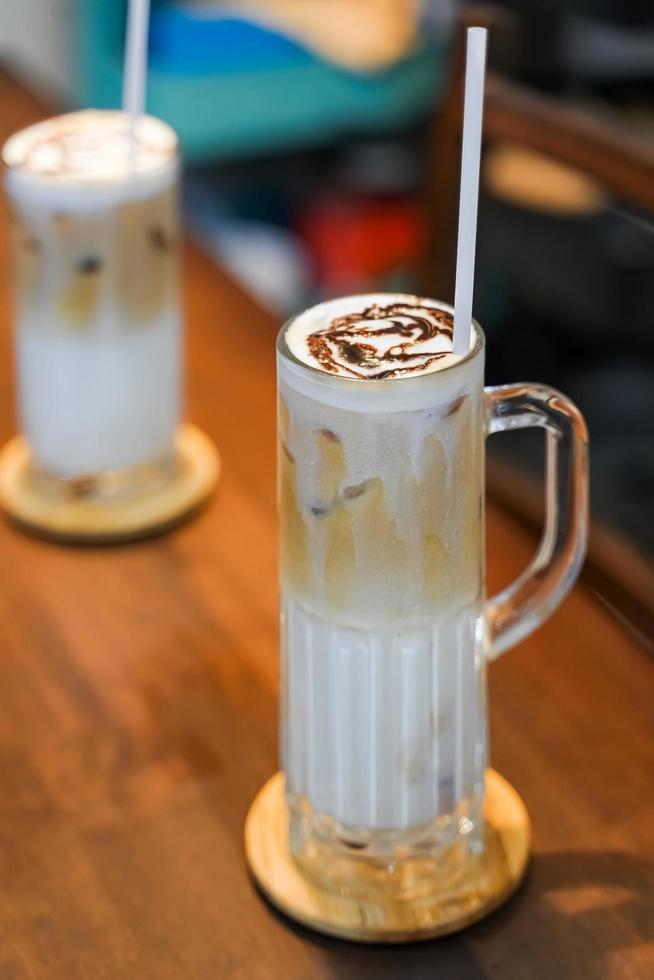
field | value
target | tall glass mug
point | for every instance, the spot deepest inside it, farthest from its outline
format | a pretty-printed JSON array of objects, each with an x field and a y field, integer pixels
[
  {"x": 386, "y": 627},
  {"x": 98, "y": 325}
]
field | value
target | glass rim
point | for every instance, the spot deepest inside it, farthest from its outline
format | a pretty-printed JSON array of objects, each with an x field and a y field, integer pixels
[{"x": 318, "y": 374}]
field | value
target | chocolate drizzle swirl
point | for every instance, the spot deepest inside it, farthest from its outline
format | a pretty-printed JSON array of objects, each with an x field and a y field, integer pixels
[{"x": 345, "y": 345}]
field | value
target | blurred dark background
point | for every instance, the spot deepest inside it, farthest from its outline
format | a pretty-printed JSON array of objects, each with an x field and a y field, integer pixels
[{"x": 311, "y": 133}]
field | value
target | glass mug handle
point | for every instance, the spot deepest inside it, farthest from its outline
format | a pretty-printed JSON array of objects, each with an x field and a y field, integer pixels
[{"x": 520, "y": 608}]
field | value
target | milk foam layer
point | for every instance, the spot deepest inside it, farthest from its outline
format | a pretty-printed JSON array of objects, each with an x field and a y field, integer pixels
[
  {"x": 425, "y": 386},
  {"x": 88, "y": 160},
  {"x": 374, "y": 337}
]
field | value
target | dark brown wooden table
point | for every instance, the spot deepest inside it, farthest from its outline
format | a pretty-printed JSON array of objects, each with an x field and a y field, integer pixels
[{"x": 138, "y": 718}]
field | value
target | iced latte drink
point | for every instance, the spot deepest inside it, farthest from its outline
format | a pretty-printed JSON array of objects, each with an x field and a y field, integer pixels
[
  {"x": 380, "y": 486},
  {"x": 98, "y": 319}
]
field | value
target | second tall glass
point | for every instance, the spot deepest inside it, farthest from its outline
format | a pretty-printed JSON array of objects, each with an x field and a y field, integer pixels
[{"x": 98, "y": 323}]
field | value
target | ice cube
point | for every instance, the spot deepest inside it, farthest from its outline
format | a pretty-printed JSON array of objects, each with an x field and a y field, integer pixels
[
  {"x": 79, "y": 301},
  {"x": 146, "y": 255},
  {"x": 331, "y": 469}
]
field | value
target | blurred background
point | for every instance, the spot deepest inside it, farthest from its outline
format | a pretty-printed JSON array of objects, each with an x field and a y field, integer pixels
[{"x": 321, "y": 138}]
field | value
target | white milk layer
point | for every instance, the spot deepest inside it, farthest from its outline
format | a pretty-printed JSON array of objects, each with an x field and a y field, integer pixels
[
  {"x": 91, "y": 403},
  {"x": 383, "y": 730}
]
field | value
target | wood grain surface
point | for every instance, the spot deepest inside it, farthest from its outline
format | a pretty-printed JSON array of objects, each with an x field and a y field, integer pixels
[{"x": 138, "y": 719}]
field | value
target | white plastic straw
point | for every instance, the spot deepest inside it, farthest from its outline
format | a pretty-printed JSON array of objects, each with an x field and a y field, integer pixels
[
  {"x": 136, "y": 59},
  {"x": 469, "y": 193}
]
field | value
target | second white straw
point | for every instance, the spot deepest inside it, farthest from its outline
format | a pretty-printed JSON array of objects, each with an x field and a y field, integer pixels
[
  {"x": 136, "y": 59},
  {"x": 469, "y": 192}
]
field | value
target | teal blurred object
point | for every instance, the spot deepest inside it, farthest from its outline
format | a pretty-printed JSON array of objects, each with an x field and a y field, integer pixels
[{"x": 223, "y": 116}]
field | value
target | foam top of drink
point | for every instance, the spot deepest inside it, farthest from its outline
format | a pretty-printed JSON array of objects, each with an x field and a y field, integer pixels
[
  {"x": 89, "y": 159},
  {"x": 374, "y": 337},
  {"x": 378, "y": 352}
]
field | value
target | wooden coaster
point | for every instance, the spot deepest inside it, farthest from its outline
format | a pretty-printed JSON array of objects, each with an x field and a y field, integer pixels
[
  {"x": 488, "y": 882},
  {"x": 89, "y": 519}
]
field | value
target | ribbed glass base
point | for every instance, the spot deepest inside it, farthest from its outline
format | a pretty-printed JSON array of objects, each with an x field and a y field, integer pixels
[{"x": 407, "y": 865}]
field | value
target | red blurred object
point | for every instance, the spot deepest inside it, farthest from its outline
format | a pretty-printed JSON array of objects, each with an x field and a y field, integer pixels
[{"x": 356, "y": 241}]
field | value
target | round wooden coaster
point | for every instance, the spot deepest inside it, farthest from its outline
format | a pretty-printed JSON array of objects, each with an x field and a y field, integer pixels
[
  {"x": 490, "y": 880},
  {"x": 90, "y": 519}
]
